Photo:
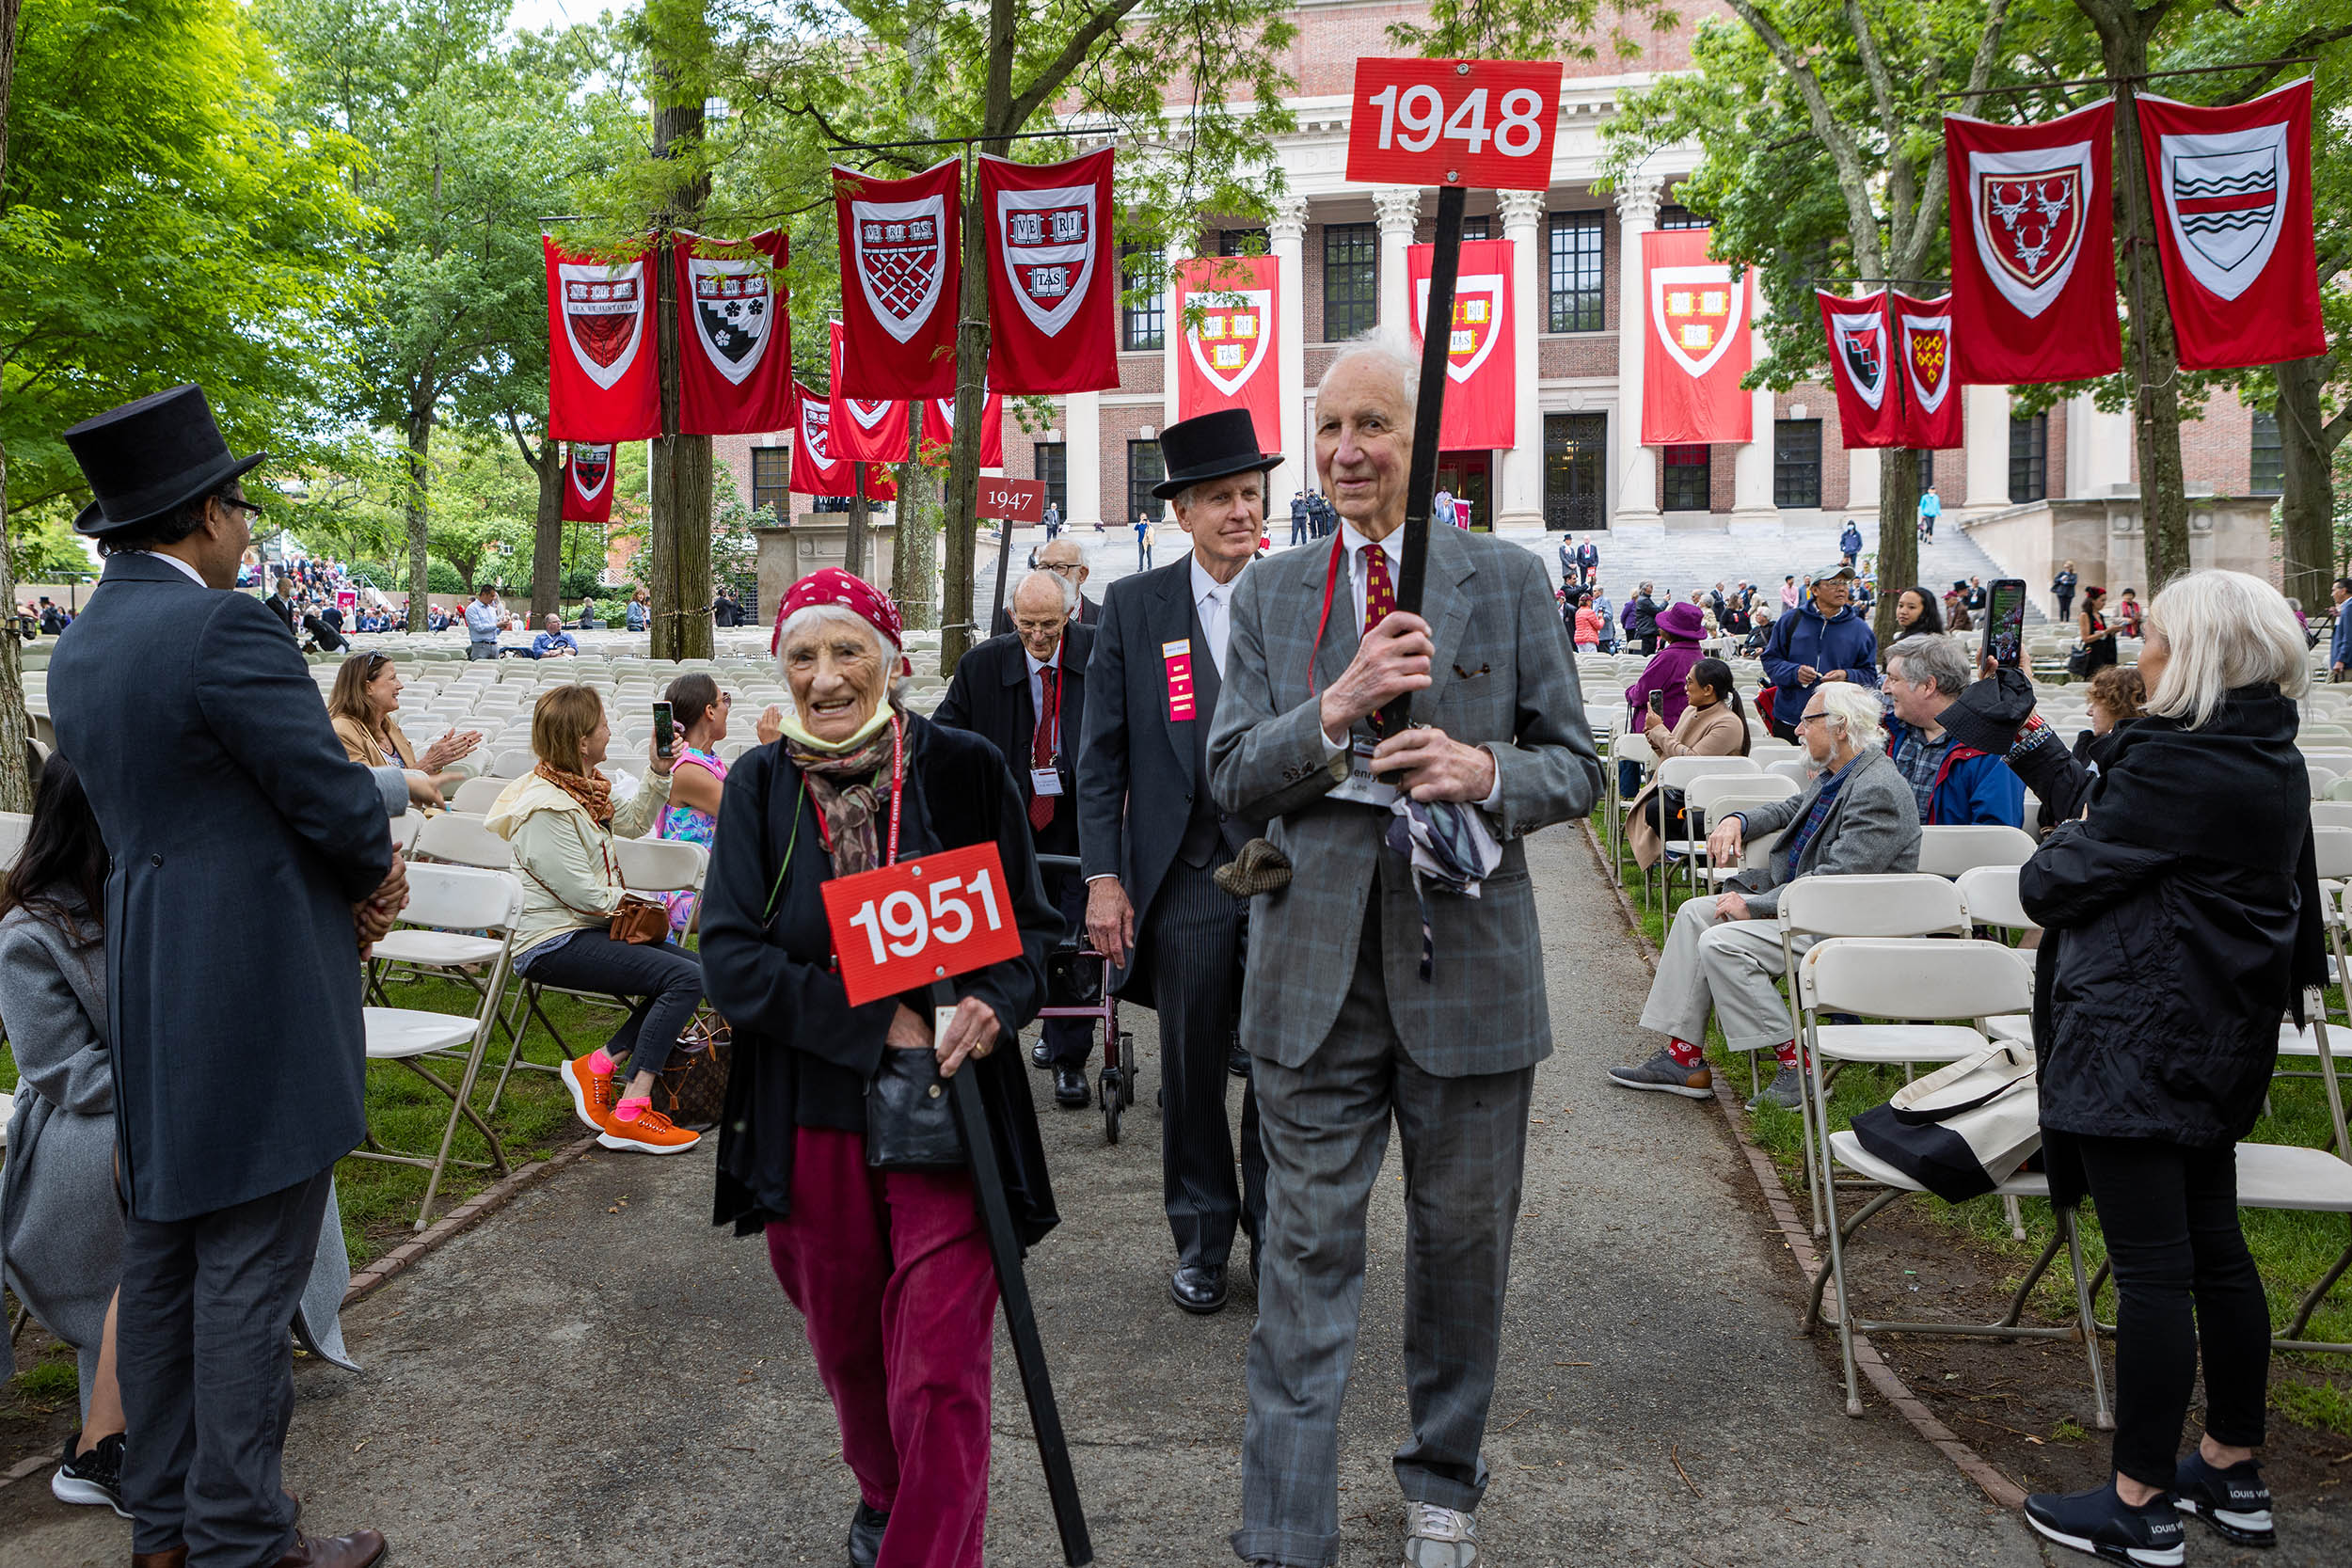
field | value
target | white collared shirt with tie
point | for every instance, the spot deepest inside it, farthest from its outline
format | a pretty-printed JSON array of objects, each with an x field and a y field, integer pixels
[{"x": 1213, "y": 601}]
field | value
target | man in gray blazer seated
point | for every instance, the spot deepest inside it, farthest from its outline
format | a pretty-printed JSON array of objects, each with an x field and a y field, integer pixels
[
  {"x": 1349, "y": 1022},
  {"x": 1857, "y": 817}
]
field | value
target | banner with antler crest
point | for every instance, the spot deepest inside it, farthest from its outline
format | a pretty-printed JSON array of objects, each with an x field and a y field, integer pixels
[{"x": 2033, "y": 246}]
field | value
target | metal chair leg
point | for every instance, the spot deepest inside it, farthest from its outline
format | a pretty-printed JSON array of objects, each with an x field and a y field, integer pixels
[{"x": 2089, "y": 1321}]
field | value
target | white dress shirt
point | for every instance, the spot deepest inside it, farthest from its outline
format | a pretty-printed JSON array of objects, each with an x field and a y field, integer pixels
[
  {"x": 191, "y": 572},
  {"x": 1037, "y": 691},
  {"x": 1213, "y": 601}
]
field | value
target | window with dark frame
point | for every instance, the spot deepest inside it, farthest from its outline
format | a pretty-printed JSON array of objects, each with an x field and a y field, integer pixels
[
  {"x": 1797, "y": 462},
  {"x": 1243, "y": 242},
  {"x": 2268, "y": 472},
  {"x": 1478, "y": 229},
  {"x": 1142, "y": 321},
  {"x": 1688, "y": 478},
  {"x": 1145, "y": 468},
  {"x": 1351, "y": 280},
  {"x": 1576, "y": 271},
  {"x": 1052, "y": 471},
  {"x": 2028, "y": 457},
  {"x": 772, "y": 480},
  {"x": 1673, "y": 216}
]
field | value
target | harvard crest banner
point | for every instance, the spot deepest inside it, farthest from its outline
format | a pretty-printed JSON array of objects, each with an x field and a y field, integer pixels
[
  {"x": 2234, "y": 226},
  {"x": 816, "y": 468},
  {"x": 1228, "y": 358},
  {"x": 1053, "y": 275},
  {"x": 1862, "y": 369},
  {"x": 939, "y": 429},
  {"x": 901, "y": 276},
  {"x": 1481, "y": 363},
  {"x": 2033, "y": 246},
  {"x": 601, "y": 382},
  {"x": 1924, "y": 360},
  {"x": 588, "y": 484},
  {"x": 1697, "y": 344},
  {"x": 871, "y": 429},
  {"x": 733, "y": 336}
]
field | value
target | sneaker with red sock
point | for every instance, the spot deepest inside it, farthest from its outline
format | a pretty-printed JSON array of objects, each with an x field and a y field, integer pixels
[
  {"x": 636, "y": 1125},
  {"x": 590, "y": 1080},
  {"x": 1680, "y": 1068},
  {"x": 1787, "y": 1089}
]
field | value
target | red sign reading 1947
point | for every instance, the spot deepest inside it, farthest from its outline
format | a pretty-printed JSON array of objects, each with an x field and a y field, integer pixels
[{"x": 1482, "y": 124}]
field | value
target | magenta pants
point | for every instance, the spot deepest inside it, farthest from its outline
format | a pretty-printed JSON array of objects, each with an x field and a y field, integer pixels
[{"x": 891, "y": 1271}]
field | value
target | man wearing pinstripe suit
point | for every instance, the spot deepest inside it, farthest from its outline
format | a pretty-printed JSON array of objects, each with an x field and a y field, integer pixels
[{"x": 1348, "y": 1019}]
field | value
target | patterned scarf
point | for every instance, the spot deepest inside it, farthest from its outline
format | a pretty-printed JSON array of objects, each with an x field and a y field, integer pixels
[
  {"x": 594, "y": 792},
  {"x": 852, "y": 812}
]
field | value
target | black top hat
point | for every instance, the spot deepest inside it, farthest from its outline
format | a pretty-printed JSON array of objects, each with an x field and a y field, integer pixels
[
  {"x": 147, "y": 458},
  {"x": 1209, "y": 446}
]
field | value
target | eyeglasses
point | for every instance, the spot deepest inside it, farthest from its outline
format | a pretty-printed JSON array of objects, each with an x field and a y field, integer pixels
[
  {"x": 376, "y": 662},
  {"x": 1805, "y": 719},
  {"x": 1057, "y": 567},
  {"x": 241, "y": 504}
]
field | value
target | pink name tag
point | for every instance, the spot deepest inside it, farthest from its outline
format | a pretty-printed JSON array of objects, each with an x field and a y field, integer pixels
[{"x": 1179, "y": 658}]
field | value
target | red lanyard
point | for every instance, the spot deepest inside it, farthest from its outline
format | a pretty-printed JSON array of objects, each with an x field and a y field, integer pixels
[
  {"x": 898, "y": 780},
  {"x": 1330, "y": 585}
]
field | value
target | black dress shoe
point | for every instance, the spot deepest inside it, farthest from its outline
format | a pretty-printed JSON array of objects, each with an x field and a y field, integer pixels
[
  {"x": 1040, "y": 1058},
  {"x": 1237, "y": 1060},
  {"x": 865, "y": 1533},
  {"x": 1070, "y": 1088},
  {"x": 1197, "y": 1288}
]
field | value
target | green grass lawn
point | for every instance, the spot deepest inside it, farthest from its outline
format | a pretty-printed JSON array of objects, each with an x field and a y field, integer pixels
[{"x": 2292, "y": 1250}]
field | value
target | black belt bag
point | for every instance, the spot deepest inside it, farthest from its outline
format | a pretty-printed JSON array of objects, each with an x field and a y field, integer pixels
[{"x": 909, "y": 1123}]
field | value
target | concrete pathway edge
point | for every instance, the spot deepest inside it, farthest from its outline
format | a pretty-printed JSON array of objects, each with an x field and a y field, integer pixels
[{"x": 1799, "y": 1236}]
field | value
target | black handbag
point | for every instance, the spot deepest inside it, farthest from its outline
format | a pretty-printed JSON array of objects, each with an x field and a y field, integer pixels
[
  {"x": 1665, "y": 812},
  {"x": 909, "y": 1123}
]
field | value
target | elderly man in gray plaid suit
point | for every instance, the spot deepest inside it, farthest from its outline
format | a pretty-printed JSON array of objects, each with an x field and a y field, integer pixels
[{"x": 1368, "y": 998}]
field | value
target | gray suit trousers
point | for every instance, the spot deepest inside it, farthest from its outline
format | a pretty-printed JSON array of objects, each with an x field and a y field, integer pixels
[
  {"x": 207, "y": 1374},
  {"x": 1325, "y": 1128}
]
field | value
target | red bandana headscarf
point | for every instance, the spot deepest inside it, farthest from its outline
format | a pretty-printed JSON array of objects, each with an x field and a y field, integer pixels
[{"x": 860, "y": 598}]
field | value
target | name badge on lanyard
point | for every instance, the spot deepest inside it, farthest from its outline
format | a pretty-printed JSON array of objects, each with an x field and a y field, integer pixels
[
  {"x": 1359, "y": 786},
  {"x": 1179, "y": 695}
]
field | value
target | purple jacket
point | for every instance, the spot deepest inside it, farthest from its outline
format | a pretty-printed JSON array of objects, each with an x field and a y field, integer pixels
[{"x": 1681, "y": 626}]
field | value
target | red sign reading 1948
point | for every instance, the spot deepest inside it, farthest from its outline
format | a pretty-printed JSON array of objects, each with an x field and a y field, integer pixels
[{"x": 1480, "y": 125}]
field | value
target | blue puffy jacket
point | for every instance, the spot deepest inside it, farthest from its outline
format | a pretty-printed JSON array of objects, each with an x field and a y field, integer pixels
[
  {"x": 1804, "y": 636},
  {"x": 1972, "y": 787}
]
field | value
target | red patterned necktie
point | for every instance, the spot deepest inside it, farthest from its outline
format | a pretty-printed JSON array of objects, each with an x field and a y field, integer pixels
[
  {"x": 1042, "y": 745},
  {"x": 1379, "y": 597}
]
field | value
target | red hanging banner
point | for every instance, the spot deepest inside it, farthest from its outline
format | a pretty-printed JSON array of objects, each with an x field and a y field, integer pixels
[
  {"x": 1228, "y": 358},
  {"x": 869, "y": 428},
  {"x": 1862, "y": 369},
  {"x": 816, "y": 468},
  {"x": 901, "y": 275},
  {"x": 601, "y": 382},
  {"x": 2033, "y": 246},
  {"x": 1696, "y": 349},
  {"x": 1053, "y": 275},
  {"x": 939, "y": 430},
  {"x": 1481, "y": 364},
  {"x": 588, "y": 484},
  {"x": 2234, "y": 226},
  {"x": 1924, "y": 350},
  {"x": 734, "y": 338}
]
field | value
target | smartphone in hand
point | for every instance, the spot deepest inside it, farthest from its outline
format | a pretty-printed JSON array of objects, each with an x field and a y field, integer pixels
[
  {"x": 664, "y": 730},
  {"x": 2005, "y": 621}
]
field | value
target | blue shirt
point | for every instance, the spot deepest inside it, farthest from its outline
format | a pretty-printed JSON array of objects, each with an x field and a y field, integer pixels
[
  {"x": 547, "y": 641},
  {"x": 1929, "y": 506},
  {"x": 482, "y": 623}
]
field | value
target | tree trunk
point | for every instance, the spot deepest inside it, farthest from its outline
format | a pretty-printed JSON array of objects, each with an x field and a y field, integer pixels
[
  {"x": 914, "y": 549},
  {"x": 1898, "y": 538},
  {"x": 853, "y": 547},
  {"x": 16, "y": 779},
  {"x": 2308, "y": 507},
  {"x": 420, "y": 474},
  {"x": 547, "y": 536},
  {"x": 679, "y": 526}
]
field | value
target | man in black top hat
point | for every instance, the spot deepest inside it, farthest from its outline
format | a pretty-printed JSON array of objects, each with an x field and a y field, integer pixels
[
  {"x": 251, "y": 857},
  {"x": 1151, "y": 839}
]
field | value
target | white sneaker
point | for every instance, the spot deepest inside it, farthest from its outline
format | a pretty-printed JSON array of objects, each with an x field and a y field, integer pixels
[{"x": 1438, "y": 1537}]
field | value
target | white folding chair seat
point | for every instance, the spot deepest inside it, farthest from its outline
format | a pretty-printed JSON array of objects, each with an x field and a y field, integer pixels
[
  {"x": 477, "y": 796},
  {"x": 398, "y": 1034},
  {"x": 462, "y": 840},
  {"x": 1947, "y": 850}
]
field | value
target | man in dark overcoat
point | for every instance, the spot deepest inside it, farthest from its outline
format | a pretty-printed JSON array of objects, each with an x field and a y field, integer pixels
[{"x": 252, "y": 863}]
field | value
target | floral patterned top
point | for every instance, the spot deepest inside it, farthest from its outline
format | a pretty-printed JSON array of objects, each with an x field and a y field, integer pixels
[{"x": 693, "y": 827}]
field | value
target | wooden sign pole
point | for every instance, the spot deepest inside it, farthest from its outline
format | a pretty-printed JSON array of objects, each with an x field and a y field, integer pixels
[{"x": 1437, "y": 339}]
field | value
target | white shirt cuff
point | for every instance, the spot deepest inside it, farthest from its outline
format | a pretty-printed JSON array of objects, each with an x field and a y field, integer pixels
[{"x": 1494, "y": 796}]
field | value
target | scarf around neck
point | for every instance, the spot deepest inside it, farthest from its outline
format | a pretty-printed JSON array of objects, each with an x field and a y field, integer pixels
[
  {"x": 852, "y": 811},
  {"x": 594, "y": 791}
]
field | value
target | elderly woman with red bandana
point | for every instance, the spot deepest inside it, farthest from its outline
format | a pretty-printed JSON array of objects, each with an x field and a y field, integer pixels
[{"x": 888, "y": 1267}]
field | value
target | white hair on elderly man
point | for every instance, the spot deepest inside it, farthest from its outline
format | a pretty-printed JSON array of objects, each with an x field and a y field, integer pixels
[
  {"x": 1388, "y": 351},
  {"x": 808, "y": 617},
  {"x": 1855, "y": 711}
]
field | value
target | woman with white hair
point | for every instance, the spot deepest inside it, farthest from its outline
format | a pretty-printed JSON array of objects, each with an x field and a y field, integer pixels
[
  {"x": 882, "y": 1254},
  {"x": 2171, "y": 950}
]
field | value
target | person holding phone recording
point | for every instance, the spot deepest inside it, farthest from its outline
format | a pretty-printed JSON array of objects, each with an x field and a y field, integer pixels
[{"x": 1712, "y": 726}]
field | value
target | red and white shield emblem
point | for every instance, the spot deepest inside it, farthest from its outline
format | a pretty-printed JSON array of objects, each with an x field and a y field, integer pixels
[
  {"x": 1859, "y": 340},
  {"x": 1050, "y": 246},
  {"x": 2225, "y": 195},
  {"x": 604, "y": 316},
  {"x": 592, "y": 470},
  {"x": 1928, "y": 356},
  {"x": 1478, "y": 324},
  {"x": 734, "y": 313},
  {"x": 869, "y": 415},
  {"x": 2028, "y": 211},
  {"x": 902, "y": 260},
  {"x": 1697, "y": 312},
  {"x": 1230, "y": 342},
  {"x": 816, "y": 430}
]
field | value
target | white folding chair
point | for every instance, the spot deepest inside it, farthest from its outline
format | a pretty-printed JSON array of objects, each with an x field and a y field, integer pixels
[
  {"x": 456, "y": 839},
  {"x": 2320, "y": 778},
  {"x": 2332, "y": 813},
  {"x": 1916, "y": 979},
  {"x": 1680, "y": 773},
  {"x": 445, "y": 901},
  {"x": 1708, "y": 799},
  {"x": 15, "y": 828},
  {"x": 404, "y": 829},
  {"x": 475, "y": 797},
  {"x": 1948, "y": 850},
  {"x": 1626, "y": 745},
  {"x": 512, "y": 762}
]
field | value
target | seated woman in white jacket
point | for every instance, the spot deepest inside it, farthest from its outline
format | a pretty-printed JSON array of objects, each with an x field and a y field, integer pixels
[{"x": 561, "y": 819}]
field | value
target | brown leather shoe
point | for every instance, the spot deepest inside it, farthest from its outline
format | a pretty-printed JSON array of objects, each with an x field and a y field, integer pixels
[
  {"x": 359, "y": 1549},
  {"x": 177, "y": 1557}
]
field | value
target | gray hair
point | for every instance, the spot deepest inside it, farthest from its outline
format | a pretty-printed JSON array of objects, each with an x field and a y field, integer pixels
[
  {"x": 1934, "y": 660},
  {"x": 2223, "y": 630},
  {"x": 833, "y": 614},
  {"x": 1067, "y": 589},
  {"x": 1856, "y": 711},
  {"x": 1387, "y": 351}
]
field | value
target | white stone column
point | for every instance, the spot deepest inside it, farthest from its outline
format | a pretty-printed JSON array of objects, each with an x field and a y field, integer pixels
[
  {"x": 1289, "y": 232},
  {"x": 1862, "y": 480},
  {"x": 2098, "y": 450},
  {"x": 1171, "y": 330},
  {"x": 1752, "y": 464},
  {"x": 1637, "y": 466},
  {"x": 1522, "y": 489},
  {"x": 1984, "y": 449},
  {"x": 1082, "y": 459},
  {"x": 1399, "y": 209}
]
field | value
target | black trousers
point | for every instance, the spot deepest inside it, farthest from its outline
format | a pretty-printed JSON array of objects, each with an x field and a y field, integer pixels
[
  {"x": 1194, "y": 934},
  {"x": 1069, "y": 1041},
  {"x": 667, "y": 981},
  {"x": 206, "y": 1364},
  {"x": 2186, "y": 1286}
]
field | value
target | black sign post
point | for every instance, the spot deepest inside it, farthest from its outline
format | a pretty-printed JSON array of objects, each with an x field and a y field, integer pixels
[{"x": 1421, "y": 485}]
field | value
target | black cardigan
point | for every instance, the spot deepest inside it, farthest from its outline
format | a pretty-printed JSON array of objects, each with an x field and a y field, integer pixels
[{"x": 776, "y": 985}]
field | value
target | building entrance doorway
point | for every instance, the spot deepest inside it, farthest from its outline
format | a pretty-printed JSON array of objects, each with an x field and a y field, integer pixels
[
  {"x": 1574, "y": 448},
  {"x": 1463, "y": 475}
]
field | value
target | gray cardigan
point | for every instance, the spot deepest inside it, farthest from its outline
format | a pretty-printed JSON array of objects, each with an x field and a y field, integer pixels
[{"x": 1872, "y": 828}]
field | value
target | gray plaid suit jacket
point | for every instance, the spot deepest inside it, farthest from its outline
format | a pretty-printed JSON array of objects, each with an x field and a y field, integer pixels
[{"x": 1504, "y": 677}]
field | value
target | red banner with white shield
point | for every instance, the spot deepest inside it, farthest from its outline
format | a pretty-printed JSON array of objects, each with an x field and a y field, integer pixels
[
  {"x": 2033, "y": 246},
  {"x": 1862, "y": 369},
  {"x": 901, "y": 275},
  {"x": 1227, "y": 356},
  {"x": 1697, "y": 349},
  {"x": 734, "y": 336},
  {"x": 873, "y": 429},
  {"x": 1481, "y": 364},
  {"x": 2232, "y": 190},
  {"x": 601, "y": 381},
  {"x": 1053, "y": 275},
  {"x": 1924, "y": 355},
  {"x": 939, "y": 429},
  {"x": 588, "y": 484}
]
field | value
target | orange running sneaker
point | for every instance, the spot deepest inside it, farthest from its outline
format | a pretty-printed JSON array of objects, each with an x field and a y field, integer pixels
[
  {"x": 592, "y": 1089},
  {"x": 651, "y": 1132}
]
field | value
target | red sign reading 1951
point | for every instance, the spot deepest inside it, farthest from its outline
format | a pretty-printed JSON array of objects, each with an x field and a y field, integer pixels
[
  {"x": 901, "y": 926},
  {"x": 1482, "y": 124}
]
